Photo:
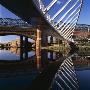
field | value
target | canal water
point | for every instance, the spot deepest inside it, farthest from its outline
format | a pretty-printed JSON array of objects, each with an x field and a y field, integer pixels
[
  {"x": 20, "y": 71},
  {"x": 18, "y": 68},
  {"x": 73, "y": 74}
]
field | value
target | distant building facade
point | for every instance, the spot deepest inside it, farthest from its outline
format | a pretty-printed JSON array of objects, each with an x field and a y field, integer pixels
[
  {"x": 15, "y": 43},
  {"x": 82, "y": 32}
]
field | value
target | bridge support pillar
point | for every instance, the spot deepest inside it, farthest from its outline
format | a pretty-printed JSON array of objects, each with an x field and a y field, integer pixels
[
  {"x": 59, "y": 42},
  {"x": 44, "y": 40},
  {"x": 21, "y": 47},
  {"x": 21, "y": 41},
  {"x": 38, "y": 48},
  {"x": 26, "y": 42},
  {"x": 51, "y": 55},
  {"x": 54, "y": 40},
  {"x": 51, "y": 40},
  {"x": 26, "y": 47}
]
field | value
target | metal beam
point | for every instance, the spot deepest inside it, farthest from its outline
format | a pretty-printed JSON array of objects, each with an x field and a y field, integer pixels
[
  {"x": 71, "y": 30},
  {"x": 66, "y": 13},
  {"x": 50, "y": 5},
  {"x": 69, "y": 35},
  {"x": 68, "y": 22},
  {"x": 68, "y": 30},
  {"x": 61, "y": 10},
  {"x": 65, "y": 36},
  {"x": 71, "y": 21},
  {"x": 69, "y": 16}
]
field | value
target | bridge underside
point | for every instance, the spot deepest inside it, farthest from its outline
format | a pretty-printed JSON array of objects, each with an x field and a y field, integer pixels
[
  {"x": 26, "y": 10},
  {"x": 28, "y": 32},
  {"x": 30, "y": 10},
  {"x": 22, "y": 8}
]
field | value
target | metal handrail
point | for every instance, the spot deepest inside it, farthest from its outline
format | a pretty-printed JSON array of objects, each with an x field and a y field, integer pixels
[
  {"x": 13, "y": 22},
  {"x": 56, "y": 24}
]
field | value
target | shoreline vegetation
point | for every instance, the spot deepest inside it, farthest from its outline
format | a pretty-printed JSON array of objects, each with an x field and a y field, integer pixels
[
  {"x": 57, "y": 48},
  {"x": 81, "y": 49}
]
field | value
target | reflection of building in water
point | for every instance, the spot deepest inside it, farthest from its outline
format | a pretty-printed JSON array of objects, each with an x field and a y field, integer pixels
[
  {"x": 16, "y": 43},
  {"x": 13, "y": 43},
  {"x": 15, "y": 51},
  {"x": 65, "y": 78},
  {"x": 54, "y": 55},
  {"x": 81, "y": 61}
]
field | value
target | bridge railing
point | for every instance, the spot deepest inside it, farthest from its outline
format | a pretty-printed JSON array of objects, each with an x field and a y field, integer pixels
[
  {"x": 67, "y": 15},
  {"x": 13, "y": 22}
]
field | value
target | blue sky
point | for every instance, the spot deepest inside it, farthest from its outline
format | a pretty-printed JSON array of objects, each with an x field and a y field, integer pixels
[
  {"x": 8, "y": 38},
  {"x": 5, "y": 13},
  {"x": 83, "y": 19},
  {"x": 85, "y": 13}
]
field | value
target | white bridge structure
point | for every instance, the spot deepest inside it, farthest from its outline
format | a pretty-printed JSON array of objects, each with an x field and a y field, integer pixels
[{"x": 63, "y": 19}]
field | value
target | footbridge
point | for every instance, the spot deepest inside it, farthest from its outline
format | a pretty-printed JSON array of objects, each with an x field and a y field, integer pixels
[{"x": 54, "y": 18}]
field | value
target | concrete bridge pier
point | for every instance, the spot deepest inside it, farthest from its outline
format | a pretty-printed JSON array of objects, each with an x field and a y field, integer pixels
[
  {"x": 58, "y": 41},
  {"x": 26, "y": 47},
  {"x": 54, "y": 40},
  {"x": 51, "y": 55},
  {"x": 21, "y": 47},
  {"x": 44, "y": 40},
  {"x": 51, "y": 40},
  {"x": 38, "y": 48}
]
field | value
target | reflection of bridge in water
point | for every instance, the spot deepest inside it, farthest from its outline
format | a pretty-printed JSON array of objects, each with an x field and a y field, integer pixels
[
  {"x": 32, "y": 62},
  {"x": 66, "y": 78}
]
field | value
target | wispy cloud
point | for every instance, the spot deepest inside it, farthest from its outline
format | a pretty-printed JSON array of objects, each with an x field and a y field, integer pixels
[{"x": 59, "y": 2}]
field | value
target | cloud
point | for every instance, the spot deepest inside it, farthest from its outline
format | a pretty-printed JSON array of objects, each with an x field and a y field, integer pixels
[{"x": 58, "y": 2}]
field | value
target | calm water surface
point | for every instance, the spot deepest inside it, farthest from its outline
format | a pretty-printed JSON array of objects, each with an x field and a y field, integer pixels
[
  {"x": 18, "y": 69},
  {"x": 73, "y": 74}
]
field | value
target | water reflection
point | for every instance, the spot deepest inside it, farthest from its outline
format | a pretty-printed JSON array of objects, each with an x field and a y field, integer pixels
[
  {"x": 73, "y": 74},
  {"x": 20, "y": 54},
  {"x": 65, "y": 78},
  {"x": 81, "y": 62},
  {"x": 54, "y": 55},
  {"x": 28, "y": 68},
  {"x": 15, "y": 54},
  {"x": 38, "y": 59},
  {"x": 82, "y": 67},
  {"x": 7, "y": 54}
]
